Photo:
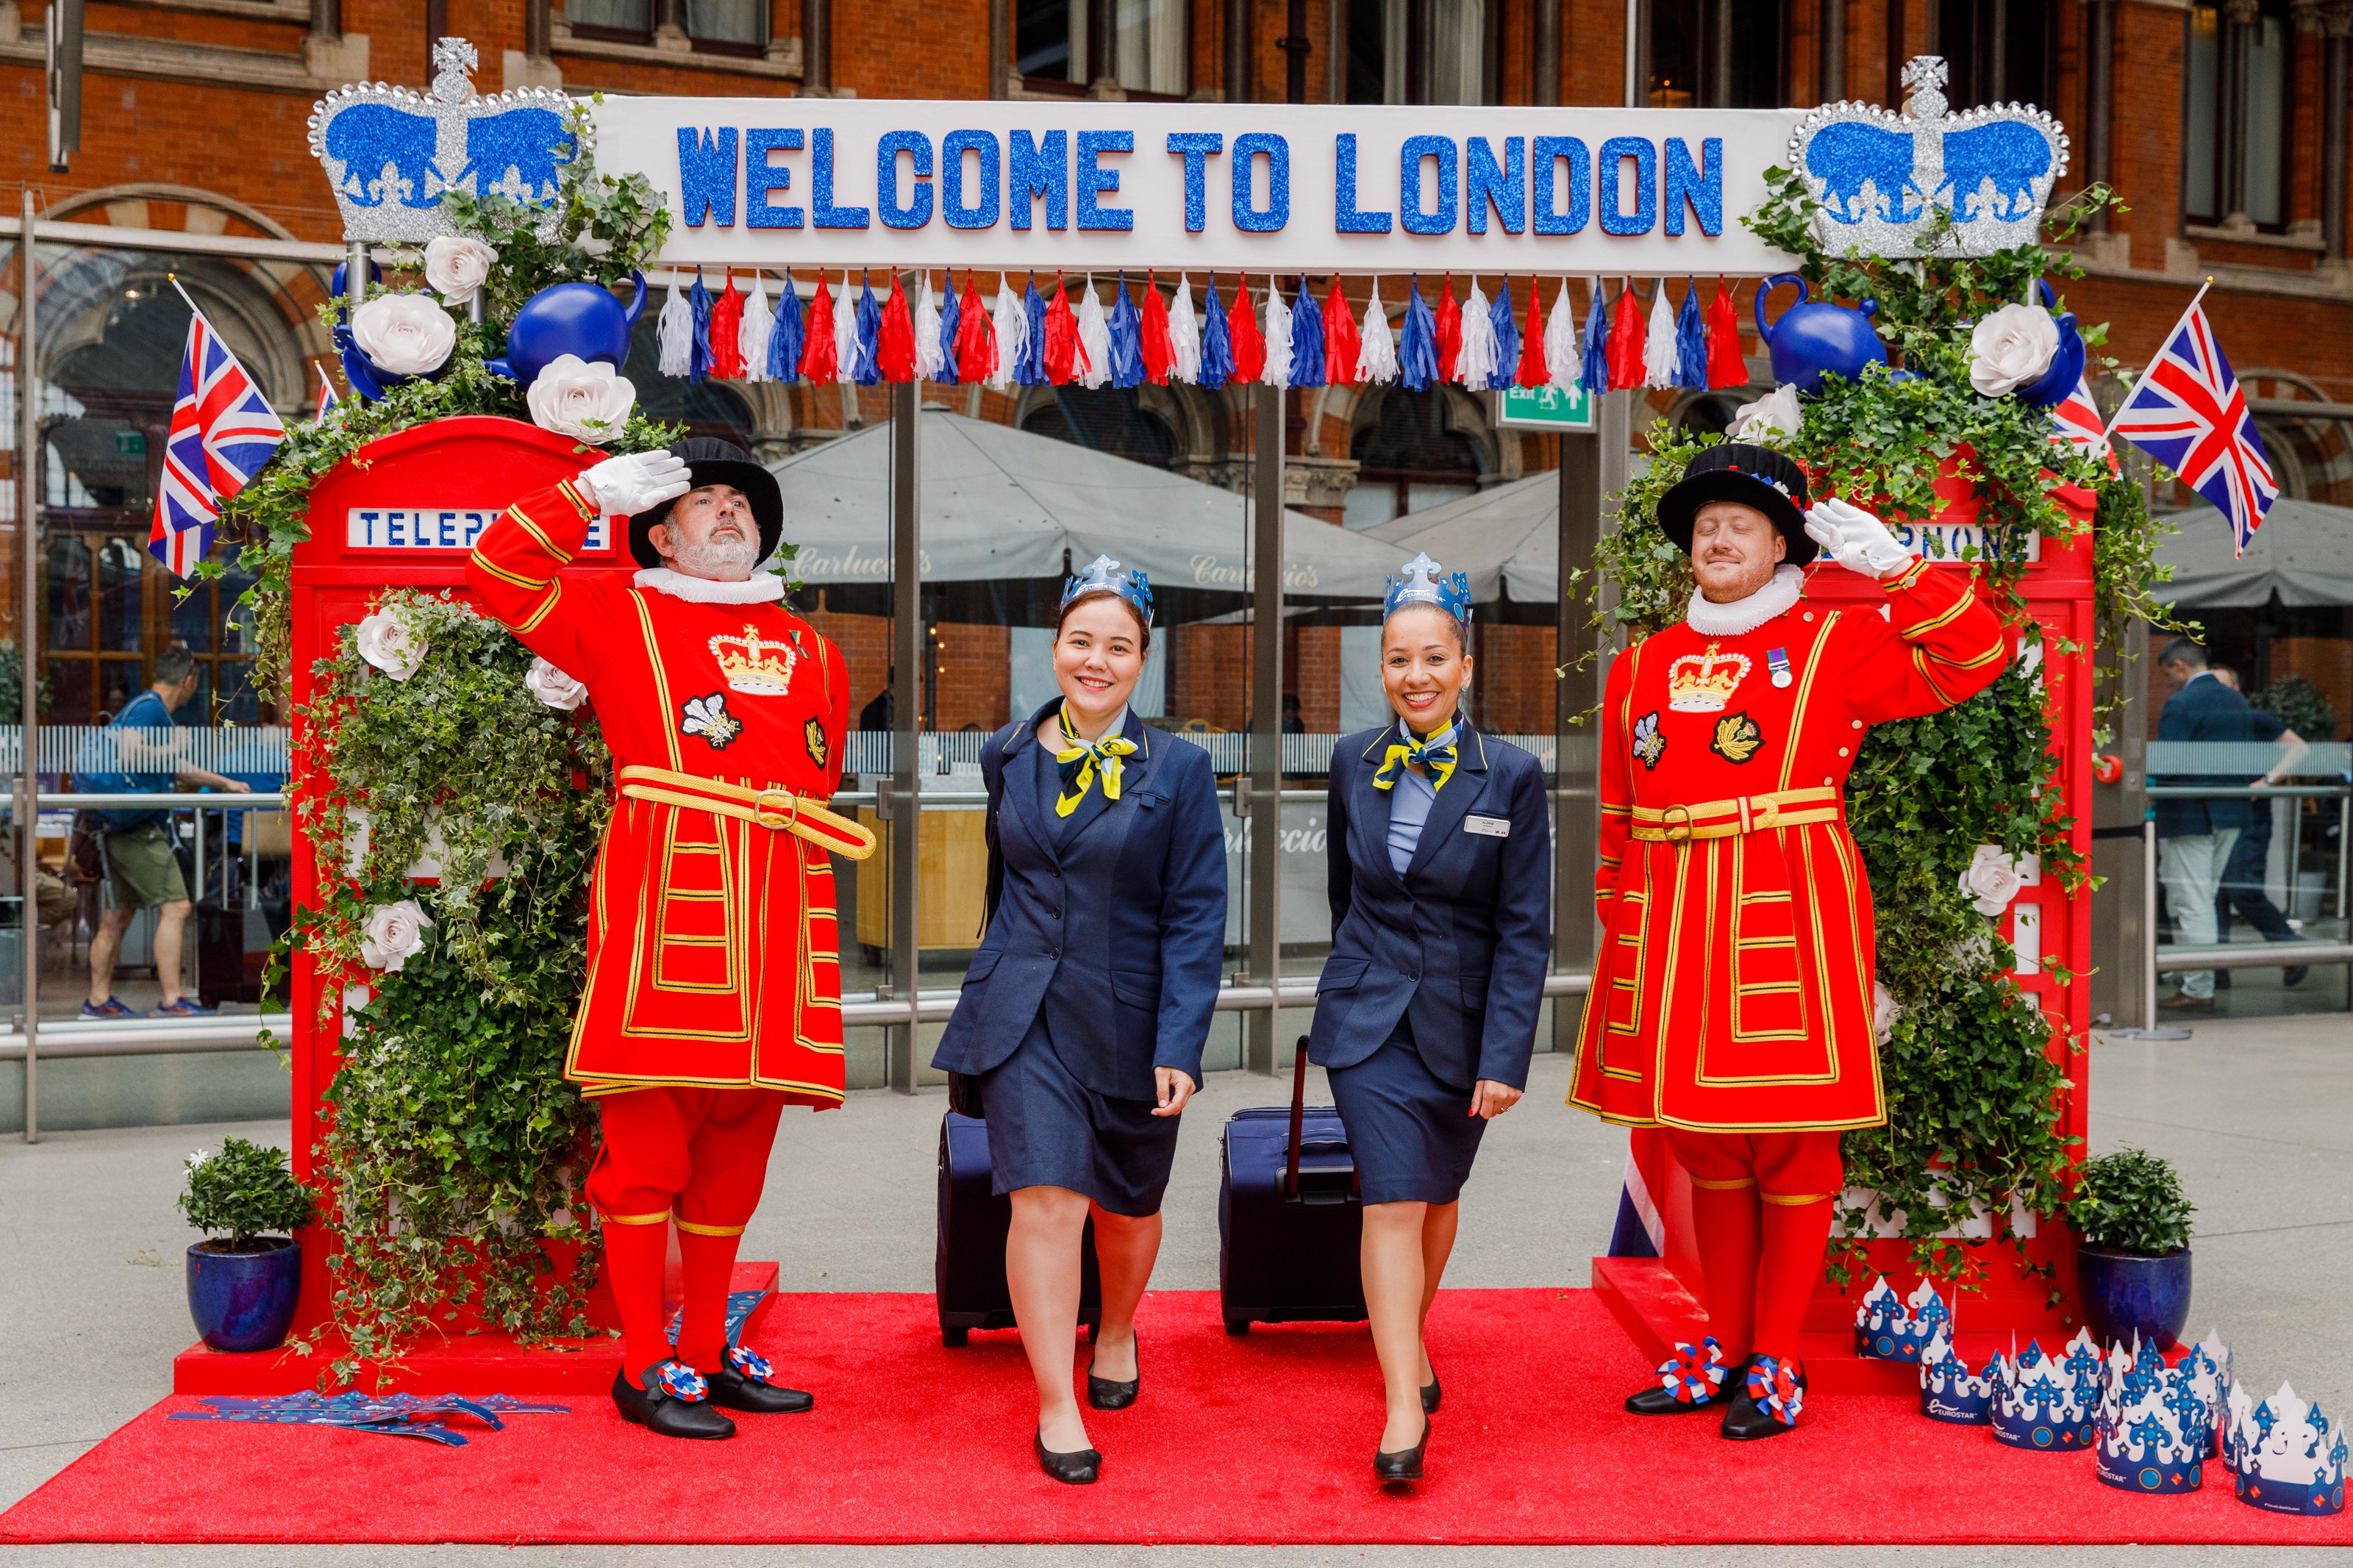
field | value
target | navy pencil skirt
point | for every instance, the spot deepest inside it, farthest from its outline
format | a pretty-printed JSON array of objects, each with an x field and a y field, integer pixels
[
  {"x": 1046, "y": 1129},
  {"x": 1412, "y": 1136}
]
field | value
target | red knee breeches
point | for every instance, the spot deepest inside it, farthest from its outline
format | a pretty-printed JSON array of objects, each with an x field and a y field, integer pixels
[{"x": 1761, "y": 1209}]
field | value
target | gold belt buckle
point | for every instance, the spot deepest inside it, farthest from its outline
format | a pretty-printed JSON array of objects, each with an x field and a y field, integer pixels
[
  {"x": 1674, "y": 824},
  {"x": 769, "y": 816},
  {"x": 1762, "y": 813}
]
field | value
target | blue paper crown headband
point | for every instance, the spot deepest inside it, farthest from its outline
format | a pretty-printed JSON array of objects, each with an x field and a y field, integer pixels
[
  {"x": 1421, "y": 584},
  {"x": 1103, "y": 575}
]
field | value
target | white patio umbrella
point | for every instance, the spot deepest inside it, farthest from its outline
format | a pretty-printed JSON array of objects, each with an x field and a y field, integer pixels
[
  {"x": 1506, "y": 539},
  {"x": 2304, "y": 552},
  {"x": 1003, "y": 503}
]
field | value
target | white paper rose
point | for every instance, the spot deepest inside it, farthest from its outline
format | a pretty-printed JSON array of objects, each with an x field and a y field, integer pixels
[
  {"x": 1767, "y": 419},
  {"x": 387, "y": 642},
  {"x": 405, "y": 334},
  {"x": 394, "y": 931},
  {"x": 1885, "y": 1010},
  {"x": 2011, "y": 347},
  {"x": 1991, "y": 880},
  {"x": 588, "y": 401},
  {"x": 552, "y": 686},
  {"x": 457, "y": 266}
]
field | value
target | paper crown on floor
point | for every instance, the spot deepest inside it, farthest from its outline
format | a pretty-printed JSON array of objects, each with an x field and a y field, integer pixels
[
  {"x": 2283, "y": 1453},
  {"x": 2207, "y": 1364},
  {"x": 1886, "y": 1328},
  {"x": 1950, "y": 1392},
  {"x": 2155, "y": 1428},
  {"x": 2043, "y": 1402}
]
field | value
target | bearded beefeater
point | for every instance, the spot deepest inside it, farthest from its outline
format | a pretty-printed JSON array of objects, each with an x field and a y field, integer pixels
[
  {"x": 713, "y": 998},
  {"x": 1732, "y": 1000}
]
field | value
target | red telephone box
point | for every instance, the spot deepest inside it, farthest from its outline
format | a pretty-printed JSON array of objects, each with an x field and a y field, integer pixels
[{"x": 1658, "y": 1302}]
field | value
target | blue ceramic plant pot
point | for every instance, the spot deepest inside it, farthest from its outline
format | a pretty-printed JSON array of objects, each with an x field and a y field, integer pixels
[
  {"x": 2127, "y": 1293},
  {"x": 245, "y": 1300}
]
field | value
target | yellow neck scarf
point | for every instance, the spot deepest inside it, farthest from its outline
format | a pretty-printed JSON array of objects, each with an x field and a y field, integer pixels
[
  {"x": 1434, "y": 754},
  {"x": 1078, "y": 761}
]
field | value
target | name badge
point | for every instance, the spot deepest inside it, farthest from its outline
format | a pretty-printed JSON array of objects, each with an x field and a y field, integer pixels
[{"x": 1492, "y": 826}]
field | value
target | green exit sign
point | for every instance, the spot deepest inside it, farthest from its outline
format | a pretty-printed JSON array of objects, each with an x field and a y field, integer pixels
[
  {"x": 130, "y": 443},
  {"x": 1545, "y": 408}
]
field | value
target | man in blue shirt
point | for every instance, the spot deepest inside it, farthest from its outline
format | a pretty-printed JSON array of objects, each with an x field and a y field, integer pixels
[
  {"x": 141, "y": 753},
  {"x": 2244, "y": 877}
]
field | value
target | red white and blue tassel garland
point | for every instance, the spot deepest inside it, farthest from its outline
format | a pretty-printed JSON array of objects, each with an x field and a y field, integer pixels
[
  {"x": 1094, "y": 339},
  {"x": 1011, "y": 332},
  {"x": 726, "y": 332},
  {"x": 1593, "y": 367},
  {"x": 1029, "y": 370},
  {"x": 1658, "y": 367},
  {"x": 951, "y": 326},
  {"x": 1184, "y": 335},
  {"x": 931, "y": 357},
  {"x": 1626, "y": 341},
  {"x": 786, "y": 338},
  {"x": 752, "y": 334},
  {"x": 1725, "y": 367},
  {"x": 866, "y": 336},
  {"x": 674, "y": 333},
  {"x": 1535, "y": 368},
  {"x": 1307, "y": 368},
  {"x": 1217, "y": 339},
  {"x": 1418, "y": 343},
  {"x": 1058, "y": 353},
  {"x": 1341, "y": 347},
  {"x": 845, "y": 333},
  {"x": 1125, "y": 328},
  {"x": 1475, "y": 361},
  {"x": 820, "y": 363},
  {"x": 1691, "y": 342},
  {"x": 1278, "y": 337},
  {"x": 1153, "y": 345},
  {"x": 894, "y": 344},
  {"x": 1249, "y": 347},
  {"x": 1445, "y": 330},
  {"x": 975, "y": 339},
  {"x": 1376, "y": 357}
]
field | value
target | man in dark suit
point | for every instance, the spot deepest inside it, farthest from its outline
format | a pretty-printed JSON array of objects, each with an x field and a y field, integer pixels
[
  {"x": 2244, "y": 877},
  {"x": 2195, "y": 837}
]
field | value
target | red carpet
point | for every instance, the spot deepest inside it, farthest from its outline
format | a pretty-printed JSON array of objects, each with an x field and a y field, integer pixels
[{"x": 912, "y": 1442}]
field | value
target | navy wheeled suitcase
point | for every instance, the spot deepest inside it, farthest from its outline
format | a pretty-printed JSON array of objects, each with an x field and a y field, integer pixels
[
  {"x": 1290, "y": 1218},
  {"x": 968, "y": 1273}
]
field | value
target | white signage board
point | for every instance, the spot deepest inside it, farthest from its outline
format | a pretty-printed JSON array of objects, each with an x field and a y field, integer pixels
[
  {"x": 443, "y": 529},
  {"x": 1282, "y": 188}
]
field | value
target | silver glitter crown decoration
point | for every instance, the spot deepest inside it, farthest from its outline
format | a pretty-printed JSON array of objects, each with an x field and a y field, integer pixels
[
  {"x": 1883, "y": 179},
  {"x": 391, "y": 152}
]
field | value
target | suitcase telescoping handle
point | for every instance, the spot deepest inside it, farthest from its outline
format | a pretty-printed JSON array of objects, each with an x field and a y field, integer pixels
[{"x": 1298, "y": 1122}]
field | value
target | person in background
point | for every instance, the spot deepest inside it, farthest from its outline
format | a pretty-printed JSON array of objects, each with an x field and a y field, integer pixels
[
  {"x": 2243, "y": 876},
  {"x": 142, "y": 857}
]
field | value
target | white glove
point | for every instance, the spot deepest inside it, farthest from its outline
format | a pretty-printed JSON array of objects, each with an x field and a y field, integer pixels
[
  {"x": 624, "y": 487},
  {"x": 1855, "y": 539}
]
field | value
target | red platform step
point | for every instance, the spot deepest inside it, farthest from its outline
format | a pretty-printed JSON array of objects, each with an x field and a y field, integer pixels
[{"x": 463, "y": 1363}]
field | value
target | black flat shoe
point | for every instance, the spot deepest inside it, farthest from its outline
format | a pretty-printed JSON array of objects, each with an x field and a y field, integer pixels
[
  {"x": 1683, "y": 1382},
  {"x": 1105, "y": 1395},
  {"x": 673, "y": 1405},
  {"x": 743, "y": 1384},
  {"x": 1082, "y": 1469},
  {"x": 1752, "y": 1419},
  {"x": 1406, "y": 1464},
  {"x": 1432, "y": 1394}
]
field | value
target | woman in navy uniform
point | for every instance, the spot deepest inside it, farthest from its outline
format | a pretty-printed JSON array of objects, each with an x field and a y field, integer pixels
[
  {"x": 1441, "y": 931},
  {"x": 1084, "y": 1011}
]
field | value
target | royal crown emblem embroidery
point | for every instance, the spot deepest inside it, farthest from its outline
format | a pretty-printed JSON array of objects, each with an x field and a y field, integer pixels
[
  {"x": 1704, "y": 682},
  {"x": 753, "y": 664}
]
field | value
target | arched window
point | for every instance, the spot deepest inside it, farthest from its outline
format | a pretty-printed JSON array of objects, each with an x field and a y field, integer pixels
[{"x": 1416, "y": 449}]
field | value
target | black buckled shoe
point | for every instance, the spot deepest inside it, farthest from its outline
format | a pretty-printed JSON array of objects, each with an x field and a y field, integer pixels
[
  {"x": 1405, "y": 1465},
  {"x": 1432, "y": 1394},
  {"x": 1694, "y": 1378},
  {"x": 1769, "y": 1395},
  {"x": 675, "y": 1402},
  {"x": 746, "y": 1383},
  {"x": 1081, "y": 1469},
  {"x": 1105, "y": 1395}
]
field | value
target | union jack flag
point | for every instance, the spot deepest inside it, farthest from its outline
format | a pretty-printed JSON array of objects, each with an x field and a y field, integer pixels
[
  {"x": 223, "y": 431},
  {"x": 327, "y": 398},
  {"x": 2078, "y": 419},
  {"x": 2189, "y": 411}
]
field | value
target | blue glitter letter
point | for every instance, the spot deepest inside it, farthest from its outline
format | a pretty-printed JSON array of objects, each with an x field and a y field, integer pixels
[
  {"x": 821, "y": 206},
  {"x": 1345, "y": 218},
  {"x": 706, "y": 175},
  {"x": 1506, "y": 187},
  {"x": 1094, "y": 180},
  {"x": 918, "y": 210},
  {"x": 1615, "y": 219},
  {"x": 1197, "y": 146},
  {"x": 982, "y": 213},
  {"x": 760, "y": 178},
  {"x": 1277, "y": 181},
  {"x": 1041, "y": 169},
  {"x": 1704, "y": 190},
  {"x": 1409, "y": 208},
  {"x": 1550, "y": 151}
]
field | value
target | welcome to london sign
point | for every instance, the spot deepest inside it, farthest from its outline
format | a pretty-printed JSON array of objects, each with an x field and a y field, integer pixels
[{"x": 1085, "y": 186}]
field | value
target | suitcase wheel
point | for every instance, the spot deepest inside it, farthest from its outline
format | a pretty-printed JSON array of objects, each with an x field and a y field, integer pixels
[
  {"x": 1237, "y": 1328},
  {"x": 955, "y": 1339}
]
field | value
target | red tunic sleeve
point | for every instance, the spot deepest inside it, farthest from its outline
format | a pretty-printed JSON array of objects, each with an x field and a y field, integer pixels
[
  {"x": 1939, "y": 644},
  {"x": 513, "y": 575},
  {"x": 1614, "y": 778}
]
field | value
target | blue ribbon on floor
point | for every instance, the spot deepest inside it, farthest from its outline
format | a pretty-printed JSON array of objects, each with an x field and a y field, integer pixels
[{"x": 385, "y": 1414}]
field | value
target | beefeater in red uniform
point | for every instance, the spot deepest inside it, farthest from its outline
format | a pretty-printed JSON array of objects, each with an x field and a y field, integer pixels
[
  {"x": 1732, "y": 1000},
  {"x": 713, "y": 998}
]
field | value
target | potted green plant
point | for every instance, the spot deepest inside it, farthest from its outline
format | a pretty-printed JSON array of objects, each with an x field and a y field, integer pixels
[
  {"x": 2132, "y": 1247},
  {"x": 245, "y": 1279}
]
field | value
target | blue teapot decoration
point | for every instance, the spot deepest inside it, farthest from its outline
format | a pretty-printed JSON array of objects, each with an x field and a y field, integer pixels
[
  {"x": 369, "y": 382},
  {"x": 2052, "y": 387},
  {"x": 1816, "y": 339},
  {"x": 579, "y": 318}
]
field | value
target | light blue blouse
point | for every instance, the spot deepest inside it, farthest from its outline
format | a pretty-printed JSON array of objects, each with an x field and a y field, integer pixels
[{"x": 1409, "y": 805}]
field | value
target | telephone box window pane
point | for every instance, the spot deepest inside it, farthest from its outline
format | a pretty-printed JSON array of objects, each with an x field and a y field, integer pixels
[
  {"x": 69, "y": 696},
  {"x": 192, "y": 619}
]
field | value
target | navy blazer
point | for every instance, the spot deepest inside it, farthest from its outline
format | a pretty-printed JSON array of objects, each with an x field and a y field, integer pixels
[
  {"x": 2208, "y": 711},
  {"x": 1114, "y": 920},
  {"x": 1462, "y": 941}
]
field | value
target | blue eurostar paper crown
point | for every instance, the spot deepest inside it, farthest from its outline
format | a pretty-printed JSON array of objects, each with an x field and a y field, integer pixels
[
  {"x": 2155, "y": 1423},
  {"x": 2285, "y": 1456},
  {"x": 1103, "y": 575},
  {"x": 1423, "y": 583},
  {"x": 1886, "y": 1328},
  {"x": 1950, "y": 1392},
  {"x": 2046, "y": 1404},
  {"x": 1884, "y": 180}
]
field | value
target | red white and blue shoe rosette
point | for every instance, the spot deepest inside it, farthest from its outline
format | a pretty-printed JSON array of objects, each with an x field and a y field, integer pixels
[
  {"x": 1950, "y": 1392},
  {"x": 682, "y": 1381},
  {"x": 2285, "y": 1456},
  {"x": 1777, "y": 1387},
  {"x": 1889, "y": 1328},
  {"x": 746, "y": 1361},
  {"x": 1694, "y": 1375},
  {"x": 2152, "y": 1431},
  {"x": 2046, "y": 1402}
]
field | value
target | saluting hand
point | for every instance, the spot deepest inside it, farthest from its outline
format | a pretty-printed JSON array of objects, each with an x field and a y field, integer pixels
[
  {"x": 1176, "y": 1088},
  {"x": 1491, "y": 1100}
]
